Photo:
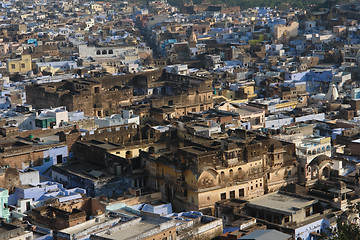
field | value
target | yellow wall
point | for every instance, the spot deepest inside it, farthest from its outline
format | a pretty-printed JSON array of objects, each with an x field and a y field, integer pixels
[
  {"x": 286, "y": 104},
  {"x": 22, "y": 65},
  {"x": 135, "y": 150},
  {"x": 228, "y": 94}
]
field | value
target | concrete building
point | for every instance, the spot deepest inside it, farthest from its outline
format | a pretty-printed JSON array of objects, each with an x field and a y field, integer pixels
[
  {"x": 274, "y": 105},
  {"x": 22, "y": 65},
  {"x": 4, "y": 210},
  {"x": 277, "y": 121},
  {"x": 51, "y": 118},
  {"x": 28, "y": 176},
  {"x": 127, "y": 117},
  {"x": 61, "y": 65},
  {"x": 254, "y": 115},
  {"x": 181, "y": 69},
  {"x": 295, "y": 213},
  {"x": 37, "y": 193},
  {"x": 123, "y": 53}
]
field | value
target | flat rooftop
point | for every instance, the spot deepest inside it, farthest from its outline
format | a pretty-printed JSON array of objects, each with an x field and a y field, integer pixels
[
  {"x": 281, "y": 202},
  {"x": 87, "y": 225},
  {"x": 132, "y": 231}
]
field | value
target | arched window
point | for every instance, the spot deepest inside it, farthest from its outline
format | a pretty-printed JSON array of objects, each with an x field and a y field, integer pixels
[
  {"x": 111, "y": 51},
  {"x": 98, "y": 52},
  {"x": 222, "y": 176},
  {"x": 104, "y": 52},
  {"x": 231, "y": 174},
  {"x": 309, "y": 152},
  {"x": 240, "y": 173}
]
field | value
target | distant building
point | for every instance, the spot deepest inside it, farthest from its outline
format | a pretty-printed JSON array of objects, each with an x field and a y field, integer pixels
[
  {"x": 266, "y": 235},
  {"x": 22, "y": 65},
  {"x": 4, "y": 210},
  {"x": 14, "y": 232}
]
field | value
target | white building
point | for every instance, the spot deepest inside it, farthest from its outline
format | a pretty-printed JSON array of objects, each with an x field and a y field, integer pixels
[
  {"x": 57, "y": 116},
  {"x": 124, "y": 53},
  {"x": 181, "y": 69},
  {"x": 126, "y": 117}
]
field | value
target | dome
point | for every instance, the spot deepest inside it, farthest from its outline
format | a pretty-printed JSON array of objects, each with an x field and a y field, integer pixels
[
  {"x": 319, "y": 97},
  {"x": 332, "y": 94}
]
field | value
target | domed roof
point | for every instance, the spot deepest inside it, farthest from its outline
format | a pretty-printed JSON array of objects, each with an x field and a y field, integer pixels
[
  {"x": 319, "y": 159},
  {"x": 332, "y": 94},
  {"x": 319, "y": 97}
]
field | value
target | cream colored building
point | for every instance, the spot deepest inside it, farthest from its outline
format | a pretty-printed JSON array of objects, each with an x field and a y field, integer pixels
[{"x": 22, "y": 65}]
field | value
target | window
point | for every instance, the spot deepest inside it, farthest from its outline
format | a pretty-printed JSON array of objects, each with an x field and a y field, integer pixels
[
  {"x": 12, "y": 66},
  {"x": 241, "y": 192},
  {"x": 59, "y": 158},
  {"x": 47, "y": 159},
  {"x": 104, "y": 52},
  {"x": 232, "y": 194},
  {"x": 23, "y": 65},
  {"x": 111, "y": 51},
  {"x": 239, "y": 173},
  {"x": 98, "y": 52},
  {"x": 222, "y": 176},
  {"x": 223, "y": 196},
  {"x": 307, "y": 212},
  {"x": 286, "y": 219}
]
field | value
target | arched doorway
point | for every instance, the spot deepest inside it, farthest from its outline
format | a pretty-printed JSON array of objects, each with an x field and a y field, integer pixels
[{"x": 326, "y": 172}]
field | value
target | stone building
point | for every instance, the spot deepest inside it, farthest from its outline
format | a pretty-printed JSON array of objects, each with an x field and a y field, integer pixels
[
  {"x": 105, "y": 96},
  {"x": 199, "y": 172},
  {"x": 56, "y": 218}
]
